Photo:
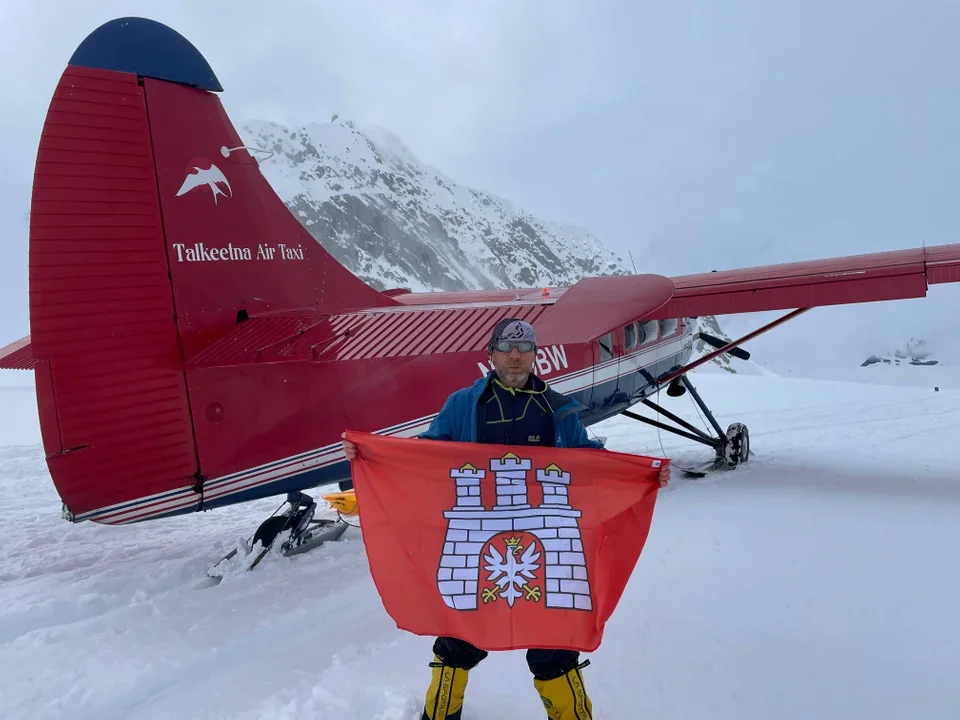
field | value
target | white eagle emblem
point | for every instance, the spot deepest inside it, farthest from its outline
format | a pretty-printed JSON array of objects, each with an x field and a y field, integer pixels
[{"x": 210, "y": 177}]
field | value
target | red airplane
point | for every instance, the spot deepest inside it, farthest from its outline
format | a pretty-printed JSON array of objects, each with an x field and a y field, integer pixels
[{"x": 194, "y": 347}]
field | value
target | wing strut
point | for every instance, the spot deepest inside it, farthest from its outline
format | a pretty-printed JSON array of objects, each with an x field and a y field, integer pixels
[{"x": 665, "y": 379}]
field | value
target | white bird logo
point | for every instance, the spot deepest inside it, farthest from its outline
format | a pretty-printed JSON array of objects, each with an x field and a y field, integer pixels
[{"x": 211, "y": 178}]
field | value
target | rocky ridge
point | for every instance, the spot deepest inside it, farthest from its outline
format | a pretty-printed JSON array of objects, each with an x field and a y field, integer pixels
[{"x": 396, "y": 222}]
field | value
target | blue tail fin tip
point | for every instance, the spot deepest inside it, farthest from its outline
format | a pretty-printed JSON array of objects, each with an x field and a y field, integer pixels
[{"x": 146, "y": 48}]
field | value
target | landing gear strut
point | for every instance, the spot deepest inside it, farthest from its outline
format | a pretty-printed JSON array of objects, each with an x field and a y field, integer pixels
[
  {"x": 299, "y": 529},
  {"x": 732, "y": 447}
]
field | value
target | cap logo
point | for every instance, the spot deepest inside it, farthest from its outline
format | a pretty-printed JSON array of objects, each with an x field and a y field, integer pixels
[{"x": 513, "y": 331}]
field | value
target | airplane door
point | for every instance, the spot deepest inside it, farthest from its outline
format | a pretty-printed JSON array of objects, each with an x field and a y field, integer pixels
[{"x": 607, "y": 351}]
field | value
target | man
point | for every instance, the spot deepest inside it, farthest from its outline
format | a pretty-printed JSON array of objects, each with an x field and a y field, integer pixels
[{"x": 510, "y": 406}]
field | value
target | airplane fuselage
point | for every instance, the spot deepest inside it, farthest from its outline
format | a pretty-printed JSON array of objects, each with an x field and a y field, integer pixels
[{"x": 275, "y": 427}]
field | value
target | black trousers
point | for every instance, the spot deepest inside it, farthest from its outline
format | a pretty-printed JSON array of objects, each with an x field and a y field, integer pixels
[{"x": 544, "y": 664}]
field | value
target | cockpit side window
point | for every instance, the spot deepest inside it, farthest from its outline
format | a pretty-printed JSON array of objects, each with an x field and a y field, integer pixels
[
  {"x": 648, "y": 332},
  {"x": 606, "y": 347},
  {"x": 630, "y": 336}
]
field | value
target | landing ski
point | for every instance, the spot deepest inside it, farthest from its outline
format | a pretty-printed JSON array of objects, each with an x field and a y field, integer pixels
[
  {"x": 291, "y": 532},
  {"x": 247, "y": 555},
  {"x": 701, "y": 470},
  {"x": 720, "y": 463}
]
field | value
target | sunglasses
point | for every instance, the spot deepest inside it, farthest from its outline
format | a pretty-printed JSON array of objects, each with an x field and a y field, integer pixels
[{"x": 521, "y": 345}]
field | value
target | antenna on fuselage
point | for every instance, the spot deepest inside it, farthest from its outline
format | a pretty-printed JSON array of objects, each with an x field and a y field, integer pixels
[{"x": 632, "y": 262}]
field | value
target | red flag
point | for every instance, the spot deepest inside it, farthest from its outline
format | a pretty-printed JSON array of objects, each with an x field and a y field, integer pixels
[{"x": 505, "y": 547}]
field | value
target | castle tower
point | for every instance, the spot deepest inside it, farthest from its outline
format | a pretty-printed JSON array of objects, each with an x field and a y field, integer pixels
[
  {"x": 459, "y": 569},
  {"x": 566, "y": 566},
  {"x": 468, "y": 487},
  {"x": 511, "y": 482},
  {"x": 554, "y": 483}
]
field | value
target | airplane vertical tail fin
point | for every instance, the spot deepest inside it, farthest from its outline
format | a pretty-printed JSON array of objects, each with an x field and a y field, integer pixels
[
  {"x": 114, "y": 414},
  {"x": 232, "y": 244},
  {"x": 151, "y": 233}
]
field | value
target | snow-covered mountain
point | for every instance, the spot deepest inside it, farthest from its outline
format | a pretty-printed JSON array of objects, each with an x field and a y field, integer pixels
[
  {"x": 396, "y": 222},
  {"x": 913, "y": 352}
]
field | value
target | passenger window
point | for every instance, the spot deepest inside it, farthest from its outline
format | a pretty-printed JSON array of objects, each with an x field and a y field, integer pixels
[
  {"x": 630, "y": 335},
  {"x": 668, "y": 327},
  {"x": 648, "y": 332},
  {"x": 606, "y": 347}
]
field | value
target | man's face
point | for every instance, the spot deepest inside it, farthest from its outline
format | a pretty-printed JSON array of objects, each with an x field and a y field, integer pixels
[{"x": 513, "y": 367}]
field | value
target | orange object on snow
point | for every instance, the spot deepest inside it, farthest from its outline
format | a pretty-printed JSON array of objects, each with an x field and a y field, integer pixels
[{"x": 345, "y": 501}]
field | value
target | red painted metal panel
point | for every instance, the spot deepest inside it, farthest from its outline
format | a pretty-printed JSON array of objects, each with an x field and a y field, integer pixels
[
  {"x": 471, "y": 319},
  {"x": 325, "y": 336},
  {"x": 595, "y": 305},
  {"x": 898, "y": 262},
  {"x": 943, "y": 263},
  {"x": 265, "y": 262},
  {"x": 429, "y": 332},
  {"x": 250, "y": 339},
  {"x": 807, "y": 295},
  {"x": 944, "y": 274},
  {"x": 17, "y": 355},
  {"x": 450, "y": 332},
  {"x": 360, "y": 336},
  {"x": 368, "y": 334},
  {"x": 419, "y": 336},
  {"x": 479, "y": 296},
  {"x": 114, "y": 410},
  {"x": 873, "y": 277}
]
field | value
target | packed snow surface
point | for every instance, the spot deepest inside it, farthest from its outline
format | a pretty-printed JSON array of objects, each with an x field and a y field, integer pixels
[{"x": 819, "y": 581}]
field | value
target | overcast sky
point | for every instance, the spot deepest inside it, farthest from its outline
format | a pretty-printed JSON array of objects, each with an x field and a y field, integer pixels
[{"x": 698, "y": 135}]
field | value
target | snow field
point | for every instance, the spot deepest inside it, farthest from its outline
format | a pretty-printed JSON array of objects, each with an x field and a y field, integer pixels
[{"x": 820, "y": 580}]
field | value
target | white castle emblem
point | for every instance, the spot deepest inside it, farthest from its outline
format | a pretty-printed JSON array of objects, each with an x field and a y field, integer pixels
[{"x": 526, "y": 553}]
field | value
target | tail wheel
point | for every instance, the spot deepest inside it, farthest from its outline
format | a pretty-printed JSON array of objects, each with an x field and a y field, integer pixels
[{"x": 736, "y": 448}]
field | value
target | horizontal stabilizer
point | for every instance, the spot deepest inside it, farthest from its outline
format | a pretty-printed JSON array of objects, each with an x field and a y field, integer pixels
[{"x": 17, "y": 355}]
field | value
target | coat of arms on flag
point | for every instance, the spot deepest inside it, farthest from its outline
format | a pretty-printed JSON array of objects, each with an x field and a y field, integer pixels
[{"x": 513, "y": 550}]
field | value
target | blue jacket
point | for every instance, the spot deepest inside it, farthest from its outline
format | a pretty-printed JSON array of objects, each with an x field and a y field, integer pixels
[{"x": 457, "y": 419}]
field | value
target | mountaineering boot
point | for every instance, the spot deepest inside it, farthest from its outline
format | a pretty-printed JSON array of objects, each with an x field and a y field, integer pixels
[
  {"x": 444, "y": 699},
  {"x": 564, "y": 697}
]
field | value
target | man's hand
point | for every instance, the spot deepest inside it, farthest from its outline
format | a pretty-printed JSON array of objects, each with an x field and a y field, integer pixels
[
  {"x": 349, "y": 448},
  {"x": 664, "y": 477}
]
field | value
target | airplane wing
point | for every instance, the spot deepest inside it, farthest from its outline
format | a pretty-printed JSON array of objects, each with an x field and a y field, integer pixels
[
  {"x": 894, "y": 275},
  {"x": 17, "y": 355}
]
